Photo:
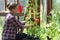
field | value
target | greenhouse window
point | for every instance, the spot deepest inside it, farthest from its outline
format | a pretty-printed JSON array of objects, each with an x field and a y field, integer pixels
[
  {"x": 3, "y": 4},
  {"x": 56, "y": 4}
]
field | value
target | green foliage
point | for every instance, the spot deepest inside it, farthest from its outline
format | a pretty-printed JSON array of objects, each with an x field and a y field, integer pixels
[
  {"x": 33, "y": 29},
  {"x": 53, "y": 30}
]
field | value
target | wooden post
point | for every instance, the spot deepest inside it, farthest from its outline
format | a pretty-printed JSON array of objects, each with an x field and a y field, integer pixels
[
  {"x": 5, "y": 2},
  {"x": 38, "y": 4},
  {"x": 49, "y": 7},
  {"x": 38, "y": 8},
  {"x": 17, "y": 1},
  {"x": 17, "y": 16}
]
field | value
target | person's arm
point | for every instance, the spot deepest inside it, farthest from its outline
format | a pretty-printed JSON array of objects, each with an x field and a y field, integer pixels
[
  {"x": 17, "y": 23},
  {"x": 23, "y": 24}
]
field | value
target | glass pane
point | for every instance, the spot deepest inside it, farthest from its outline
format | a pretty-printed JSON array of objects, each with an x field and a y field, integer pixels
[
  {"x": 56, "y": 4},
  {"x": 11, "y": 1},
  {"x": 1, "y": 25},
  {"x": 21, "y": 18},
  {"x": 23, "y": 3},
  {"x": 1, "y": 5}
]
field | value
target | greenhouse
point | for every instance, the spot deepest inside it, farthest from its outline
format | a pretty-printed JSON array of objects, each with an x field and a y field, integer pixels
[{"x": 29, "y": 20}]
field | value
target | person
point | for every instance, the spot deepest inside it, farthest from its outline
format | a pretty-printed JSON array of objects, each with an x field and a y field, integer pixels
[{"x": 11, "y": 23}]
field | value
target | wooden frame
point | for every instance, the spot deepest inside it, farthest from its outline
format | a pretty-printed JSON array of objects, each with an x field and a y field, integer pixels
[
  {"x": 5, "y": 2},
  {"x": 3, "y": 14}
]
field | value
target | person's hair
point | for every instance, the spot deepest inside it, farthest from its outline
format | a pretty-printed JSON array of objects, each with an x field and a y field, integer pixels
[{"x": 11, "y": 5}]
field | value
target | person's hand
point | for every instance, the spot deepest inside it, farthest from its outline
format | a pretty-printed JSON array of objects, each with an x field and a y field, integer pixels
[
  {"x": 23, "y": 22},
  {"x": 27, "y": 26}
]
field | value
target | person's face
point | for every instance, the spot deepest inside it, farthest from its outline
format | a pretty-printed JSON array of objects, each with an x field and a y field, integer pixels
[{"x": 14, "y": 10}]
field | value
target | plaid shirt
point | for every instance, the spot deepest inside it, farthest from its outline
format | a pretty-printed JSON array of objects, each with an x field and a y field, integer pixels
[{"x": 10, "y": 27}]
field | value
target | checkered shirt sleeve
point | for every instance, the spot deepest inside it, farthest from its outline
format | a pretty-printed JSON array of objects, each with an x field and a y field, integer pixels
[{"x": 16, "y": 23}]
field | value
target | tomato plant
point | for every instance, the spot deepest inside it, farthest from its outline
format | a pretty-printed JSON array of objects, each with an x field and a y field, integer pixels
[{"x": 31, "y": 18}]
